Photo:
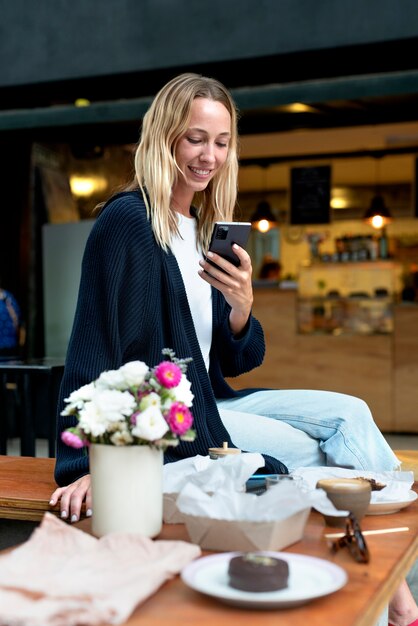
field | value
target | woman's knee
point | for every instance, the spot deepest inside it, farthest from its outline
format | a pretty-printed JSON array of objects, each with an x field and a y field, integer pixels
[{"x": 354, "y": 409}]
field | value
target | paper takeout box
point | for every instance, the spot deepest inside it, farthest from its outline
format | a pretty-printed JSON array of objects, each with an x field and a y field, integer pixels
[
  {"x": 171, "y": 514},
  {"x": 231, "y": 472},
  {"x": 226, "y": 535}
]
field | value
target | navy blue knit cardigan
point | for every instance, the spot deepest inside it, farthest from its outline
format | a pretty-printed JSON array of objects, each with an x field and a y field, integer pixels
[{"x": 132, "y": 303}]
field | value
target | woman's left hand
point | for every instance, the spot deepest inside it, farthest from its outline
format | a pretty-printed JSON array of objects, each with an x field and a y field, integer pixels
[
  {"x": 72, "y": 497},
  {"x": 233, "y": 282}
]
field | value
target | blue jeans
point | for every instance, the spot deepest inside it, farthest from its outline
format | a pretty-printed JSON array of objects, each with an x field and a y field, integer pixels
[{"x": 305, "y": 428}]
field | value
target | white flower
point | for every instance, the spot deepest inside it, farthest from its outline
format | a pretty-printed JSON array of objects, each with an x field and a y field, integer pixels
[
  {"x": 150, "y": 424},
  {"x": 152, "y": 399},
  {"x": 111, "y": 379},
  {"x": 182, "y": 392},
  {"x": 77, "y": 398},
  {"x": 106, "y": 407},
  {"x": 114, "y": 403},
  {"x": 121, "y": 438},
  {"x": 134, "y": 373},
  {"x": 92, "y": 421}
]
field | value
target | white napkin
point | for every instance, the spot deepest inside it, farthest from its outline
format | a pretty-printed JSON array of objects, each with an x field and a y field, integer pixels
[
  {"x": 398, "y": 484},
  {"x": 277, "y": 503},
  {"x": 63, "y": 576},
  {"x": 231, "y": 472}
]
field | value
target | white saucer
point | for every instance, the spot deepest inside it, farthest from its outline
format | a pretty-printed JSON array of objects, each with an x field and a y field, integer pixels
[
  {"x": 309, "y": 578},
  {"x": 384, "y": 508}
]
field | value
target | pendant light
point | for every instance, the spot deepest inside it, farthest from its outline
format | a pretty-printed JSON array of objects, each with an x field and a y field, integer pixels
[
  {"x": 263, "y": 218},
  {"x": 377, "y": 215}
]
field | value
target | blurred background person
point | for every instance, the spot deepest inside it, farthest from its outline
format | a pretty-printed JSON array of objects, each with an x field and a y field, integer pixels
[
  {"x": 270, "y": 269},
  {"x": 12, "y": 330}
]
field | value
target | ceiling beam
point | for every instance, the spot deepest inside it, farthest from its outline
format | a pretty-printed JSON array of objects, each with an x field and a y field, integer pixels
[
  {"x": 247, "y": 99},
  {"x": 357, "y": 154},
  {"x": 331, "y": 89}
]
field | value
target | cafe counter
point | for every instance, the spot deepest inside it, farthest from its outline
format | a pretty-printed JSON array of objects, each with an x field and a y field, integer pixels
[{"x": 380, "y": 368}]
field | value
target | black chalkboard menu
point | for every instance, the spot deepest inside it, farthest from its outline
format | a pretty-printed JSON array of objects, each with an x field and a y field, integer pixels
[{"x": 310, "y": 195}]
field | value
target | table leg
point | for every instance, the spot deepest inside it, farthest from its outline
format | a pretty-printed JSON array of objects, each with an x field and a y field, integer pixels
[
  {"x": 54, "y": 381},
  {"x": 27, "y": 432}
]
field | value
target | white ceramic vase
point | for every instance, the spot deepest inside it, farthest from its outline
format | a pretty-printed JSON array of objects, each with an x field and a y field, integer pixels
[{"x": 127, "y": 489}]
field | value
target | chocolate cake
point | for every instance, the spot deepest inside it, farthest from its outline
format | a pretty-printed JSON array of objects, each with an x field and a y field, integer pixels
[
  {"x": 375, "y": 486},
  {"x": 258, "y": 572}
]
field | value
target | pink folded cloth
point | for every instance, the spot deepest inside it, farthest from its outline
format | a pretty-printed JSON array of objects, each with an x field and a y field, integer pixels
[{"x": 63, "y": 576}]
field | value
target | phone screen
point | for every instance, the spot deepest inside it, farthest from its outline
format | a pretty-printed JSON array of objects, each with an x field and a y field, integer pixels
[{"x": 225, "y": 234}]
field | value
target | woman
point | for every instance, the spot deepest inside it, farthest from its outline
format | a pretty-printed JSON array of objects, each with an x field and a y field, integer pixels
[{"x": 146, "y": 286}]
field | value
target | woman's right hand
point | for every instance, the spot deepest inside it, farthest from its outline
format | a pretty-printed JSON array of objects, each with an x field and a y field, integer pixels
[{"x": 72, "y": 497}]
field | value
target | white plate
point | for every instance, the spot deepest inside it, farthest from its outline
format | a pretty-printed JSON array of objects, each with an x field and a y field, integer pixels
[
  {"x": 309, "y": 578},
  {"x": 384, "y": 508}
]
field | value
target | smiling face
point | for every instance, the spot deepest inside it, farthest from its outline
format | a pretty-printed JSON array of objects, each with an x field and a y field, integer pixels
[{"x": 203, "y": 148}]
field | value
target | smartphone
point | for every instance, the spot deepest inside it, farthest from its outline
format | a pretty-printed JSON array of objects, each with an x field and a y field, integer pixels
[{"x": 225, "y": 234}]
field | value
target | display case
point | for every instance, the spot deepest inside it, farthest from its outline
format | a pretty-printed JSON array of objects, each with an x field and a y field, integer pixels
[
  {"x": 336, "y": 315},
  {"x": 348, "y": 298}
]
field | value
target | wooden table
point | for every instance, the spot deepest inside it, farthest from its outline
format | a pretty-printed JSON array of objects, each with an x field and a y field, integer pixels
[{"x": 27, "y": 483}]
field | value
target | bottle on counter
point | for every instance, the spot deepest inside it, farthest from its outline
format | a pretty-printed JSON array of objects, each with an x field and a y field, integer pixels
[
  {"x": 373, "y": 248},
  {"x": 383, "y": 245}
]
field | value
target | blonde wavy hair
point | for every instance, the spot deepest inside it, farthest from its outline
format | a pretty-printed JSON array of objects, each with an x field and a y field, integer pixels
[{"x": 156, "y": 168}]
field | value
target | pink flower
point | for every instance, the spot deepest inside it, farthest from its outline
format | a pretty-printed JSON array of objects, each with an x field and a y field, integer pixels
[
  {"x": 133, "y": 418},
  {"x": 179, "y": 418},
  {"x": 71, "y": 439},
  {"x": 168, "y": 374}
]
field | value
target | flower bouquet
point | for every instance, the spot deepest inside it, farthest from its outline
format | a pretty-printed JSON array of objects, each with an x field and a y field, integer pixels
[{"x": 133, "y": 405}]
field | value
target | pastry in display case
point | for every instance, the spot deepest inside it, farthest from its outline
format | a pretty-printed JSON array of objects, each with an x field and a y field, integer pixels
[
  {"x": 336, "y": 316},
  {"x": 345, "y": 298}
]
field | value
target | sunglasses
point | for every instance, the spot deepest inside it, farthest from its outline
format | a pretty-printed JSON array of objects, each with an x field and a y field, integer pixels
[{"x": 353, "y": 540}]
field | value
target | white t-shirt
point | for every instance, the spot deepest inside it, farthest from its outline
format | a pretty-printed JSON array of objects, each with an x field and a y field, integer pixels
[{"x": 199, "y": 293}]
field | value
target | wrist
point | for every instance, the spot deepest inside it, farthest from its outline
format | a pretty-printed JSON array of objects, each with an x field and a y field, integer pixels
[{"x": 238, "y": 320}]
